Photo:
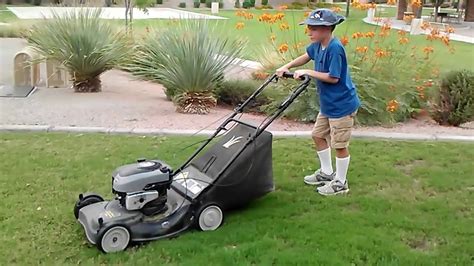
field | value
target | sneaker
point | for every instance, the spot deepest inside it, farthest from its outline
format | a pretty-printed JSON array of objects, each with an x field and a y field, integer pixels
[
  {"x": 318, "y": 178},
  {"x": 333, "y": 188}
]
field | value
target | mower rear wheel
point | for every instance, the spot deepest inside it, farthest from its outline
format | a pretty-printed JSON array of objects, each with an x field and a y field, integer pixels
[
  {"x": 84, "y": 200},
  {"x": 210, "y": 218},
  {"x": 114, "y": 239}
]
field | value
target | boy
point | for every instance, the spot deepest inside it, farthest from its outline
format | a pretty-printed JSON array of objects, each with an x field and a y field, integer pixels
[{"x": 338, "y": 100}]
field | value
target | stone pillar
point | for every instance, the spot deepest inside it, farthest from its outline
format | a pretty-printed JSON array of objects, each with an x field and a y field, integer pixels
[
  {"x": 57, "y": 74},
  {"x": 25, "y": 69},
  {"x": 416, "y": 26},
  {"x": 371, "y": 14}
]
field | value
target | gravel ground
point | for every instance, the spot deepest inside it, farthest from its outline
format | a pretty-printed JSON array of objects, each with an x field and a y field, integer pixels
[{"x": 128, "y": 103}]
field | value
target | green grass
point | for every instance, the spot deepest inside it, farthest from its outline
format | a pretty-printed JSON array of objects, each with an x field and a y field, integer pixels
[{"x": 411, "y": 203}]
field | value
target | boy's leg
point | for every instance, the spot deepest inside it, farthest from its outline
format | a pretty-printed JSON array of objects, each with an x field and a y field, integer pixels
[
  {"x": 341, "y": 129},
  {"x": 320, "y": 135}
]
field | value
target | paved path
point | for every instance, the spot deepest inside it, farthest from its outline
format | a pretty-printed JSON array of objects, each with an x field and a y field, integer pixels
[{"x": 110, "y": 13}]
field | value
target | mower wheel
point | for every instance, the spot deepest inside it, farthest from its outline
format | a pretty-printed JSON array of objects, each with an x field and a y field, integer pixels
[
  {"x": 209, "y": 217},
  {"x": 114, "y": 238},
  {"x": 84, "y": 200}
]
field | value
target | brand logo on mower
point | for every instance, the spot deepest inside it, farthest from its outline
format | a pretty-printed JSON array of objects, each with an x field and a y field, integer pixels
[{"x": 232, "y": 141}]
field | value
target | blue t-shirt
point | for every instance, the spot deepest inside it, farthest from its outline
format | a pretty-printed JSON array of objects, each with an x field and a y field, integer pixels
[{"x": 340, "y": 99}]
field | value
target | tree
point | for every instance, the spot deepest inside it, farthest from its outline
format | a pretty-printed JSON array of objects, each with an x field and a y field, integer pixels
[
  {"x": 469, "y": 17},
  {"x": 401, "y": 9},
  {"x": 130, "y": 4}
]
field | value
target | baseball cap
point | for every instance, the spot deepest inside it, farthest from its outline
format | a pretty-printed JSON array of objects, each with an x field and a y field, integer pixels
[{"x": 323, "y": 17}]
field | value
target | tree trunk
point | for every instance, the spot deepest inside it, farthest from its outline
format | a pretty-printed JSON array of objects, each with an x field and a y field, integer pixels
[
  {"x": 88, "y": 85},
  {"x": 401, "y": 9},
  {"x": 348, "y": 5},
  {"x": 469, "y": 13}
]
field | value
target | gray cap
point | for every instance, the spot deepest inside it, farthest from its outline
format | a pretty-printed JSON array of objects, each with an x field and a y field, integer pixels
[{"x": 323, "y": 17}]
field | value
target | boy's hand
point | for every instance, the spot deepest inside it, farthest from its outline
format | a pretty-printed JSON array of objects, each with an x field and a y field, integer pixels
[
  {"x": 281, "y": 71},
  {"x": 301, "y": 72}
]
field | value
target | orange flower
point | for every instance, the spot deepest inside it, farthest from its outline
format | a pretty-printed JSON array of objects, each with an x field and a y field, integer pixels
[
  {"x": 371, "y": 5},
  {"x": 425, "y": 25},
  {"x": 362, "y": 49},
  {"x": 357, "y": 35},
  {"x": 284, "y": 26},
  {"x": 402, "y": 32},
  {"x": 370, "y": 34},
  {"x": 380, "y": 53},
  {"x": 403, "y": 40},
  {"x": 344, "y": 40},
  {"x": 445, "y": 40},
  {"x": 278, "y": 16},
  {"x": 428, "y": 50},
  {"x": 273, "y": 37},
  {"x": 306, "y": 14},
  {"x": 428, "y": 83},
  {"x": 449, "y": 29},
  {"x": 392, "y": 106},
  {"x": 283, "y": 7},
  {"x": 239, "y": 25},
  {"x": 298, "y": 45},
  {"x": 283, "y": 48},
  {"x": 392, "y": 2},
  {"x": 336, "y": 9},
  {"x": 265, "y": 17},
  {"x": 384, "y": 33},
  {"x": 386, "y": 27},
  {"x": 416, "y": 3}
]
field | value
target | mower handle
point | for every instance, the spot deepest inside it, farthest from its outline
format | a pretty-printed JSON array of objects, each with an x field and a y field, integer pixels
[{"x": 292, "y": 76}]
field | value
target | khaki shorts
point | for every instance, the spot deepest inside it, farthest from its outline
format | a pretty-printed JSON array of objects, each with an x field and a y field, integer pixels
[{"x": 336, "y": 131}]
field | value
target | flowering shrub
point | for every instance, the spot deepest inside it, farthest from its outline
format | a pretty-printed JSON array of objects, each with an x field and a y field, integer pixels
[{"x": 381, "y": 60}]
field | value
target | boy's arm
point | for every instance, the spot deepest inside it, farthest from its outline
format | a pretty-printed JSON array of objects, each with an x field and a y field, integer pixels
[
  {"x": 324, "y": 77},
  {"x": 299, "y": 61}
]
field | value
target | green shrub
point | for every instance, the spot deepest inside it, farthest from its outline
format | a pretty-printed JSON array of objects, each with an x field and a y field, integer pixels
[
  {"x": 234, "y": 92},
  {"x": 237, "y": 4},
  {"x": 297, "y": 5},
  {"x": 37, "y": 2},
  {"x": 184, "y": 59},
  {"x": 197, "y": 3},
  {"x": 320, "y": 5},
  {"x": 264, "y": 2},
  {"x": 8, "y": 2},
  {"x": 182, "y": 5},
  {"x": 86, "y": 45},
  {"x": 108, "y": 3},
  {"x": 203, "y": 1},
  {"x": 454, "y": 102},
  {"x": 159, "y": 2},
  {"x": 246, "y": 4},
  {"x": 252, "y": 3}
]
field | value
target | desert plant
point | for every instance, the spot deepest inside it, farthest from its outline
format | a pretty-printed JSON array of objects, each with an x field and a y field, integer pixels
[
  {"x": 196, "y": 4},
  {"x": 189, "y": 60},
  {"x": 237, "y": 4},
  {"x": 246, "y": 4},
  {"x": 454, "y": 102},
  {"x": 236, "y": 91},
  {"x": 264, "y": 2},
  {"x": 252, "y": 3},
  {"x": 182, "y": 5},
  {"x": 85, "y": 44}
]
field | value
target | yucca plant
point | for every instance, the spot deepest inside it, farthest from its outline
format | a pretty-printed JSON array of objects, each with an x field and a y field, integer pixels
[
  {"x": 85, "y": 44},
  {"x": 189, "y": 60}
]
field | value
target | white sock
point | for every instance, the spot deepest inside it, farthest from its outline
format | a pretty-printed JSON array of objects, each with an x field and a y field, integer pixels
[
  {"x": 325, "y": 160},
  {"x": 342, "y": 165}
]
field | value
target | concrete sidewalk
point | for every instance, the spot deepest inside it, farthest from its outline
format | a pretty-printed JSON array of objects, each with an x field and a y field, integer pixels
[{"x": 162, "y": 132}]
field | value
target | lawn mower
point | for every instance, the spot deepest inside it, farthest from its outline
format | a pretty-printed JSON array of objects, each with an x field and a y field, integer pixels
[{"x": 155, "y": 202}]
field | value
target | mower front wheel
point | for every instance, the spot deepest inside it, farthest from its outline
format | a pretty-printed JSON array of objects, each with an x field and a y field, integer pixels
[
  {"x": 84, "y": 200},
  {"x": 209, "y": 218},
  {"x": 115, "y": 238}
]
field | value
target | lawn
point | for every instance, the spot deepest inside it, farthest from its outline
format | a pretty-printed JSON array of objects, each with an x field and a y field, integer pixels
[
  {"x": 258, "y": 34},
  {"x": 411, "y": 203}
]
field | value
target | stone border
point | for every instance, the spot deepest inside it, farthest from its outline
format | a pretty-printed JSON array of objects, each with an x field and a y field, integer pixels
[{"x": 188, "y": 132}]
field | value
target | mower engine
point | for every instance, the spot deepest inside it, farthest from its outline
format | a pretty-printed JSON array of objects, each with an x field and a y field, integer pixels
[{"x": 142, "y": 186}]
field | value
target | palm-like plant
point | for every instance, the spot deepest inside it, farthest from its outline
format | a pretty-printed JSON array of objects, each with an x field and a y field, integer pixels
[
  {"x": 189, "y": 60},
  {"x": 85, "y": 44}
]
